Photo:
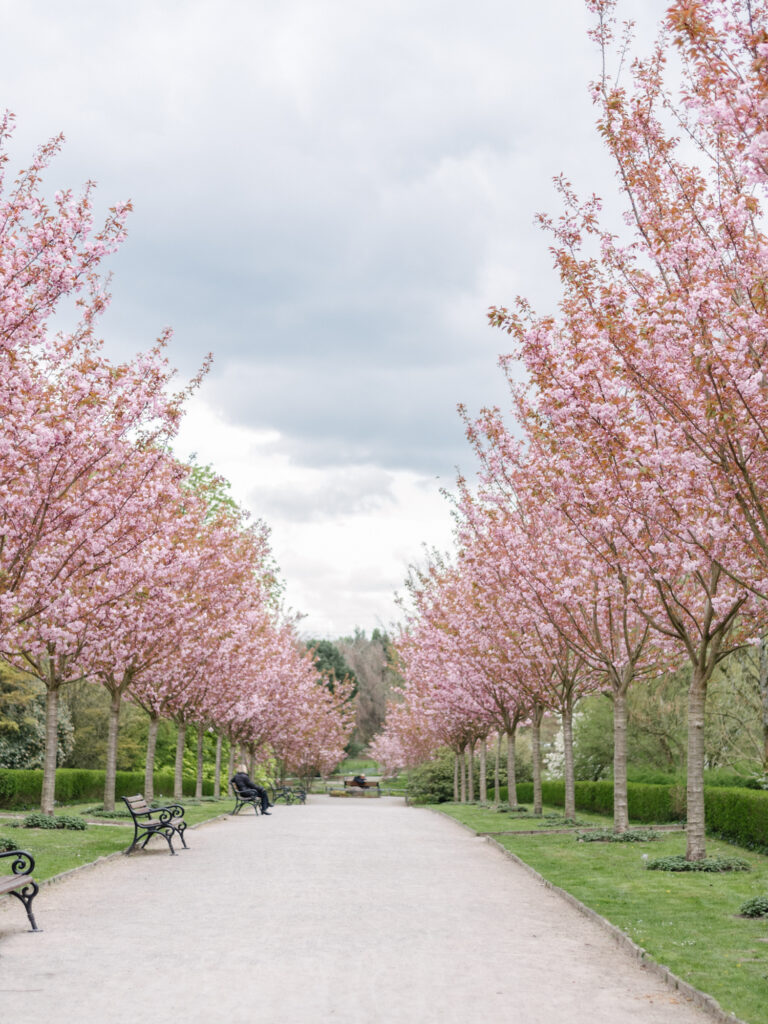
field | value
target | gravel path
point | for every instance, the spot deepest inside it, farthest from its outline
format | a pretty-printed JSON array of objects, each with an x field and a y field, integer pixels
[{"x": 345, "y": 911}]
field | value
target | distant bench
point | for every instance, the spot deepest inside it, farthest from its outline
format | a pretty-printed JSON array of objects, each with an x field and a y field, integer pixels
[
  {"x": 20, "y": 882},
  {"x": 155, "y": 821},
  {"x": 368, "y": 784}
]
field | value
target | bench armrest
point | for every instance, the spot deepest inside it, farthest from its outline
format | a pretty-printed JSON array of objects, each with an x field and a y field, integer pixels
[{"x": 23, "y": 863}]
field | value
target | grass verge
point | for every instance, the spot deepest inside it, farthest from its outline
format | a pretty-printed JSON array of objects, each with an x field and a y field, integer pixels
[
  {"x": 60, "y": 850},
  {"x": 689, "y": 922}
]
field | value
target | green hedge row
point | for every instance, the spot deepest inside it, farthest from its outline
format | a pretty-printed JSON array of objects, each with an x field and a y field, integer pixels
[
  {"x": 740, "y": 815},
  {"x": 22, "y": 788}
]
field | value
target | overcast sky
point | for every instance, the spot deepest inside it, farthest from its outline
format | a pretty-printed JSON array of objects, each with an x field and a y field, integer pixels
[{"x": 328, "y": 196}]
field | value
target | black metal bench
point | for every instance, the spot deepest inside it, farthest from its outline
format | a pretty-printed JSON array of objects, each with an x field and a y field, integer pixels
[
  {"x": 155, "y": 821},
  {"x": 20, "y": 882},
  {"x": 241, "y": 800},
  {"x": 290, "y": 794}
]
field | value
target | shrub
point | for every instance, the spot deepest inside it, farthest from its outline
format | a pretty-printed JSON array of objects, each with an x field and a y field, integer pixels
[
  {"x": 37, "y": 820},
  {"x": 22, "y": 788},
  {"x": 7, "y": 844},
  {"x": 679, "y": 863},
  {"x": 739, "y": 815},
  {"x": 605, "y": 835},
  {"x": 756, "y": 907},
  {"x": 432, "y": 782}
]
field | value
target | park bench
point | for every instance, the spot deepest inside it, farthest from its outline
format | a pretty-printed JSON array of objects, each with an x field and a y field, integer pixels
[
  {"x": 155, "y": 821},
  {"x": 290, "y": 794},
  {"x": 20, "y": 882},
  {"x": 241, "y": 800},
  {"x": 349, "y": 783}
]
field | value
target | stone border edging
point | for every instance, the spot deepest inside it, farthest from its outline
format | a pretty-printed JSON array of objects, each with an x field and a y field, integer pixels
[{"x": 701, "y": 999}]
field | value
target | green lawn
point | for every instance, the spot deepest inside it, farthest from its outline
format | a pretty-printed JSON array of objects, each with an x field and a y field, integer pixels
[
  {"x": 57, "y": 850},
  {"x": 688, "y": 922}
]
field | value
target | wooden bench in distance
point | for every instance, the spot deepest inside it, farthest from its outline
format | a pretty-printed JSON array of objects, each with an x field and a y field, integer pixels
[
  {"x": 20, "y": 882},
  {"x": 369, "y": 784},
  {"x": 155, "y": 821}
]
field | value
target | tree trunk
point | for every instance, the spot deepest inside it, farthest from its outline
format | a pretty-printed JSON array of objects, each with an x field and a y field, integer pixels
[
  {"x": 483, "y": 782},
  {"x": 199, "y": 778},
  {"x": 111, "y": 768},
  {"x": 570, "y": 785},
  {"x": 455, "y": 777},
  {"x": 217, "y": 770},
  {"x": 463, "y": 766},
  {"x": 538, "y": 714},
  {"x": 178, "y": 773},
  {"x": 697, "y": 695},
  {"x": 149, "y": 770},
  {"x": 496, "y": 773},
  {"x": 51, "y": 749},
  {"x": 620, "y": 797},
  {"x": 231, "y": 762},
  {"x": 252, "y": 766},
  {"x": 763, "y": 679},
  {"x": 471, "y": 771},
  {"x": 511, "y": 768}
]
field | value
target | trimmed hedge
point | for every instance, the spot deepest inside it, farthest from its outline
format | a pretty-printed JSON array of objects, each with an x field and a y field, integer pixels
[
  {"x": 22, "y": 788},
  {"x": 647, "y": 802},
  {"x": 740, "y": 815}
]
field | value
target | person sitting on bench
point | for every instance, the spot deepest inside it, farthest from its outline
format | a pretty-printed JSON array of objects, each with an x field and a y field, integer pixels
[
  {"x": 359, "y": 780},
  {"x": 248, "y": 788}
]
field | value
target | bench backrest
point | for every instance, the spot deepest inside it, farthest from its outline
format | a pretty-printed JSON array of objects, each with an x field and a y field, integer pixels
[{"x": 137, "y": 804}]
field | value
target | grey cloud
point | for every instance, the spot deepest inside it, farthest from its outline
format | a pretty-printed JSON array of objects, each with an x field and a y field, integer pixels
[{"x": 363, "y": 489}]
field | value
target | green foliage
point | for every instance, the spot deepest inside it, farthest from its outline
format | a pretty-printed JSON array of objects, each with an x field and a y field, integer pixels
[
  {"x": 22, "y": 721},
  {"x": 606, "y": 835},
  {"x": 21, "y": 789},
  {"x": 712, "y": 864},
  {"x": 593, "y": 739},
  {"x": 756, "y": 907},
  {"x": 432, "y": 782},
  {"x": 330, "y": 663},
  {"x": 739, "y": 815},
  {"x": 649, "y": 803},
  {"x": 7, "y": 845},
  {"x": 37, "y": 820}
]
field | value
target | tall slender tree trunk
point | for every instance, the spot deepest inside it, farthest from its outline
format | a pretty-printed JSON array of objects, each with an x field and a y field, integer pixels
[
  {"x": 497, "y": 773},
  {"x": 483, "y": 783},
  {"x": 471, "y": 771},
  {"x": 463, "y": 765},
  {"x": 455, "y": 777},
  {"x": 252, "y": 766},
  {"x": 51, "y": 749},
  {"x": 536, "y": 717},
  {"x": 620, "y": 792},
  {"x": 697, "y": 696},
  {"x": 199, "y": 777},
  {"x": 112, "y": 731},
  {"x": 231, "y": 762},
  {"x": 511, "y": 768},
  {"x": 178, "y": 772},
  {"x": 570, "y": 785},
  {"x": 149, "y": 769},
  {"x": 763, "y": 679},
  {"x": 217, "y": 770}
]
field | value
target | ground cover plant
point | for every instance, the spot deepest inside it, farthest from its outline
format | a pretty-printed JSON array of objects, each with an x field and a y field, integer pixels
[
  {"x": 607, "y": 835},
  {"x": 688, "y": 921}
]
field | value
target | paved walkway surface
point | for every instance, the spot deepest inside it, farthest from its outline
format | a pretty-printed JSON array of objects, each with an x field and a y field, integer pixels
[{"x": 343, "y": 911}]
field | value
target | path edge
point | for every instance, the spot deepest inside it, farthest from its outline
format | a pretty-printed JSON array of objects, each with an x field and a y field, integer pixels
[{"x": 701, "y": 999}]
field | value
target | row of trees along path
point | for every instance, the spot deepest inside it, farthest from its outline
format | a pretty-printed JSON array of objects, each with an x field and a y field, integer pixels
[
  {"x": 620, "y": 524},
  {"x": 118, "y": 562}
]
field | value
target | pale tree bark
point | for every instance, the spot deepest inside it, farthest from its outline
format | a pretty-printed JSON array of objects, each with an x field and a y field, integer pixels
[
  {"x": 620, "y": 792},
  {"x": 217, "y": 770},
  {"x": 570, "y": 785},
  {"x": 511, "y": 773},
  {"x": 763, "y": 680},
  {"x": 455, "y": 777},
  {"x": 149, "y": 770},
  {"x": 252, "y": 766},
  {"x": 697, "y": 696},
  {"x": 116, "y": 700},
  {"x": 231, "y": 762},
  {"x": 471, "y": 770},
  {"x": 178, "y": 773},
  {"x": 536, "y": 717},
  {"x": 199, "y": 777},
  {"x": 483, "y": 782},
  {"x": 497, "y": 773},
  {"x": 51, "y": 749},
  {"x": 463, "y": 766}
]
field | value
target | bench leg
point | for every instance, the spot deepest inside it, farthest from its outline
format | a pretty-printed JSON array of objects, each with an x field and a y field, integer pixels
[
  {"x": 181, "y": 829},
  {"x": 26, "y": 895}
]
